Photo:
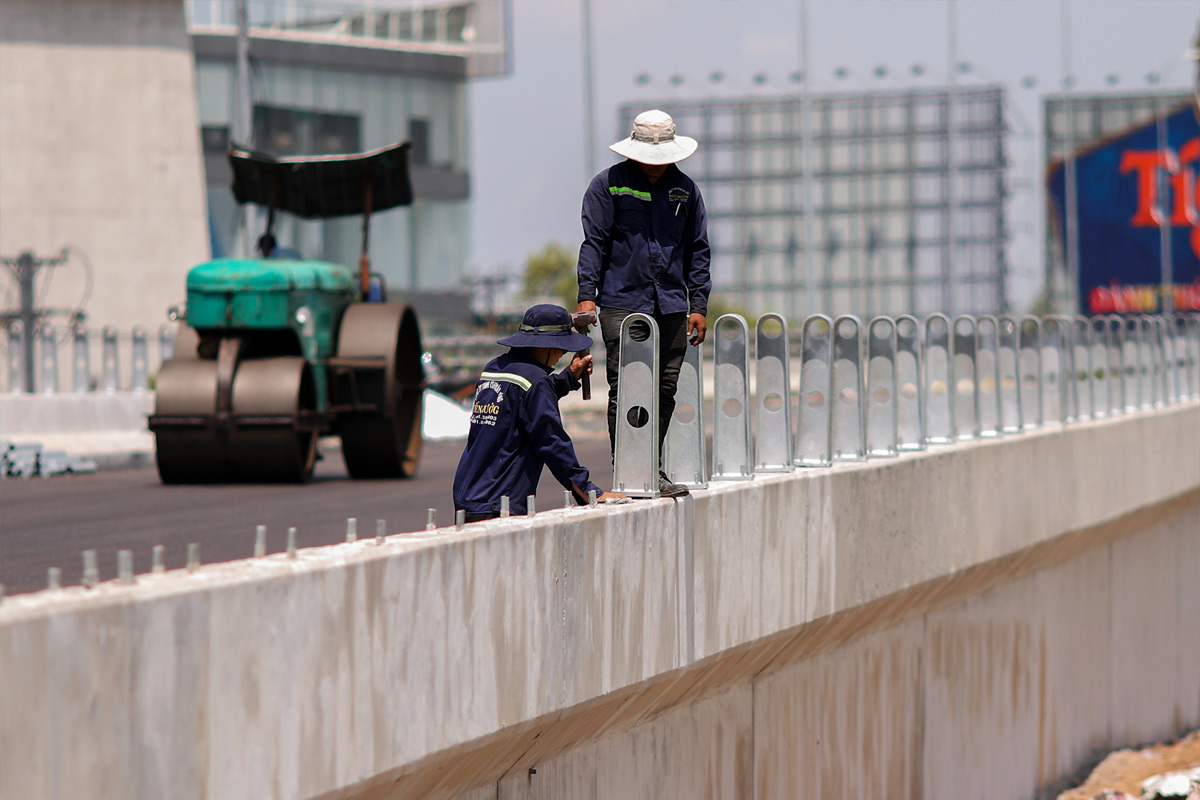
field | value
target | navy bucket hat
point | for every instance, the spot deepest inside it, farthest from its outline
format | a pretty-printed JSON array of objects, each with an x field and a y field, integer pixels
[{"x": 547, "y": 326}]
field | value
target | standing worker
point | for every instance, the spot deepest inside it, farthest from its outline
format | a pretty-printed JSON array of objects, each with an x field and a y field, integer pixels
[
  {"x": 516, "y": 428},
  {"x": 645, "y": 249}
]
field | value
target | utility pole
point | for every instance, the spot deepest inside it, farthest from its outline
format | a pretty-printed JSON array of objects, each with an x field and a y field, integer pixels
[
  {"x": 25, "y": 266},
  {"x": 243, "y": 122}
]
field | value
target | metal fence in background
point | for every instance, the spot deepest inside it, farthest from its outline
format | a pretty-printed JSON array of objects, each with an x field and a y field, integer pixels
[{"x": 82, "y": 360}]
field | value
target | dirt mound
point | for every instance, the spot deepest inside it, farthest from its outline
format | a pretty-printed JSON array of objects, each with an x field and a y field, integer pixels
[{"x": 1125, "y": 770}]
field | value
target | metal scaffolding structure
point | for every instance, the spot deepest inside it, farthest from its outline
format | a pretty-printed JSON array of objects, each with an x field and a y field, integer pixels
[{"x": 907, "y": 194}]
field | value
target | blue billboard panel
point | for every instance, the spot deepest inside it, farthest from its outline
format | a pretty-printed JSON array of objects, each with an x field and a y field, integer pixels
[{"x": 1120, "y": 215}]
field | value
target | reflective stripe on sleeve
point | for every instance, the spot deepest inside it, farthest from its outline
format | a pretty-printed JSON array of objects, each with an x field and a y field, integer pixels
[{"x": 506, "y": 377}]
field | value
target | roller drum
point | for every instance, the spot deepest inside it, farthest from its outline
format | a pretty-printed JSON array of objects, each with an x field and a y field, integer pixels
[
  {"x": 192, "y": 453},
  {"x": 386, "y": 442},
  {"x": 265, "y": 445}
]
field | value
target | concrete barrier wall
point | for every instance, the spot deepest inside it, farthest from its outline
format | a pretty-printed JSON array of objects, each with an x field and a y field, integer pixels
[{"x": 976, "y": 615}]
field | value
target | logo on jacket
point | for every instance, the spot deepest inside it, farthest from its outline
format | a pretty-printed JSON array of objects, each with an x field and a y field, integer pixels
[
  {"x": 678, "y": 195},
  {"x": 486, "y": 413}
]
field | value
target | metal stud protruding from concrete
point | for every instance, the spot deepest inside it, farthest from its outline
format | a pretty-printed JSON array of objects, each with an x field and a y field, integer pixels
[
  {"x": 964, "y": 383},
  {"x": 1054, "y": 370},
  {"x": 125, "y": 567},
  {"x": 846, "y": 417},
  {"x": 568, "y": 499},
  {"x": 592, "y": 499},
  {"x": 939, "y": 410},
  {"x": 380, "y": 531},
  {"x": 260, "y": 541},
  {"x": 505, "y": 507},
  {"x": 731, "y": 459},
  {"x": 1084, "y": 390},
  {"x": 1007, "y": 367},
  {"x": 460, "y": 519},
  {"x": 109, "y": 367},
  {"x": 49, "y": 359},
  {"x": 193, "y": 557},
  {"x": 772, "y": 396},
  {"x": 881, "y": 429},
  {"x": 91, "y": 574},
  {"x": 1, "y": 592},
  {"x": 1099, "y": 352},
  {"x": 291, "y": 542},
  {"x": 81, "y": 359},
  {"x": 684, "y": 458},
  {"x": 636, "y": 454},
  {"x": 910, "y": 411},
  {"x": 156, "y": 556},
  {"x": 351, "y": 529},
  {"x": 431, "y": 519},
  {"x": 531, "y": 505},
  {"x": 816, "y": 387},
  {"x": 987, "y": 375},
  {"x": 54, "y": 578},
  {"x": 140, "y": 361},
  {"x": 16, "y": 356}
]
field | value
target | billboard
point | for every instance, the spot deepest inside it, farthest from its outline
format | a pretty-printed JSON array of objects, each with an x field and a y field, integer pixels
[{"x": 1120, "y": 216}]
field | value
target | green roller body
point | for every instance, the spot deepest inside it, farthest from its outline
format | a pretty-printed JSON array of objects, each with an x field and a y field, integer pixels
[{"x": 255, "y": 294}]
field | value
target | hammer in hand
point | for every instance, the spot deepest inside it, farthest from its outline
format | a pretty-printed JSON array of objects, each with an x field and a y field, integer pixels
[{"x": 582, "y": 320}]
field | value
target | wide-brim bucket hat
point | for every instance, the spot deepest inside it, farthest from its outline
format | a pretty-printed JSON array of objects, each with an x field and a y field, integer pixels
[
  {"x": 547, "y": 326},
  {"x": 654, "y": 141}
]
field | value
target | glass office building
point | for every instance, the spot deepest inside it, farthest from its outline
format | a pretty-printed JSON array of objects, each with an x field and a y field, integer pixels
[
  {"x": 329, "y": 77},
  {"x": 904, "y": 191}
]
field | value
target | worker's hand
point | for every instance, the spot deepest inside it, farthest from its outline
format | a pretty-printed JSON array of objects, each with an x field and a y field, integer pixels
[
  {"x": 581, "y": 365},
  {"x": 584, "y": 307},
  {"x": 697, "y": 328},
  {"x": 611, "y": 496}
]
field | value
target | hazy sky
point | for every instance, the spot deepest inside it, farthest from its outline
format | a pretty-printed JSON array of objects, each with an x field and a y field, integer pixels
[{"x": 527, "y": 134}]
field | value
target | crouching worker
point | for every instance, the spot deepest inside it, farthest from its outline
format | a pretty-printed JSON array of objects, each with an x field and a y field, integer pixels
[{"x": 515, "y": 424}]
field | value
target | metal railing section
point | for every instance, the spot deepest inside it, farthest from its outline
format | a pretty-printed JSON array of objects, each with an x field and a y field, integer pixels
[{"x": 636, "y": 454}]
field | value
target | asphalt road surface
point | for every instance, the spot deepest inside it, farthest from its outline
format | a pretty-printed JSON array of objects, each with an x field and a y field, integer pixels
[{"x": 50, "y": 522}]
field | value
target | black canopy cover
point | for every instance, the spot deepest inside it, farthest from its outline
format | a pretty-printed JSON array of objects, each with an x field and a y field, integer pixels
[{"x": 319, "y": 187}]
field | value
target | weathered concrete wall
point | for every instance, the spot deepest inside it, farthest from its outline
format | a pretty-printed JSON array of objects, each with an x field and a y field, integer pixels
[
  {"x": 100, "y": 150},
  {"x": 960, "y": 617}
]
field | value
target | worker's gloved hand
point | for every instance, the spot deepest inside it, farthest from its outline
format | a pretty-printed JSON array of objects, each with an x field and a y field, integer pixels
[
  {"x": 585, "y": 307},
  {"x": 581, "y": 365},
  {"x": 697, "y": 328}
]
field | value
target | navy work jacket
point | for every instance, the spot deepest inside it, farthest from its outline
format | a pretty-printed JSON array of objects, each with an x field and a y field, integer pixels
[
  {"x": 515, "y": 430},
  {"x": 645, "y": 245}
]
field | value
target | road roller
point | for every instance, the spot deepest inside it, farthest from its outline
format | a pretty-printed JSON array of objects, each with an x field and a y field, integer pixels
[{"x": 276, "y": 351}]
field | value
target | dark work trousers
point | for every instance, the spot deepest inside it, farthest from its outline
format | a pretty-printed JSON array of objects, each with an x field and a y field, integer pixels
[{"x": 672, "y": 344}]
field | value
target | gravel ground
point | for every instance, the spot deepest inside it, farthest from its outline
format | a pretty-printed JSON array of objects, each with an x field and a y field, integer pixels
[{"x": 1125, "y": 770}]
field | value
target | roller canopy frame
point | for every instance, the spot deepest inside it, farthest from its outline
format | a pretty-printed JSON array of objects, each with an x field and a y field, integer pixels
[{"x": 323, "y": 187}]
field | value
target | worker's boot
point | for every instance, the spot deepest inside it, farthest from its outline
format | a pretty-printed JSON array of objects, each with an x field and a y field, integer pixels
[{"x": 668, "y": 489}]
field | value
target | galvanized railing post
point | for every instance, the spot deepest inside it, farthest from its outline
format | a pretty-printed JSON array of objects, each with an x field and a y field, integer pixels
[
  {"x": 772, "y": 396},
  {"x": 846, "y": 421},
  {"x": 16, "y": 357},
  {"x": 1030, "y": 363},
  {"x": 732, "y": 457},
  {"x": 140, "y": 358},
  {"x": 110, "y": 375},
  {"x": 1054, "y": 371},
  {"x": 1081, "y": 366},
  {"x": 1098, "y": 361},
  {"x": 964, "y": 383},
  {"x": 49, "y": 359},
  {"x": 81, "y": 359},
  {"x": 1116, "y": 370},
  {"x": 1010, "y": 375},
  {"x": 816, "y": 387},
  {"x": 166, "y": 343},
  {"x": 683, "y": 450},
  {"x": 910, "y": 410},
  {"x": 882, "y": 421},
  {"x": 1131, "y": 363},
  {"x": 987, "y": 375},
  {"x": 636, "y": 451},
  {"x": 939, "y": 410}
]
